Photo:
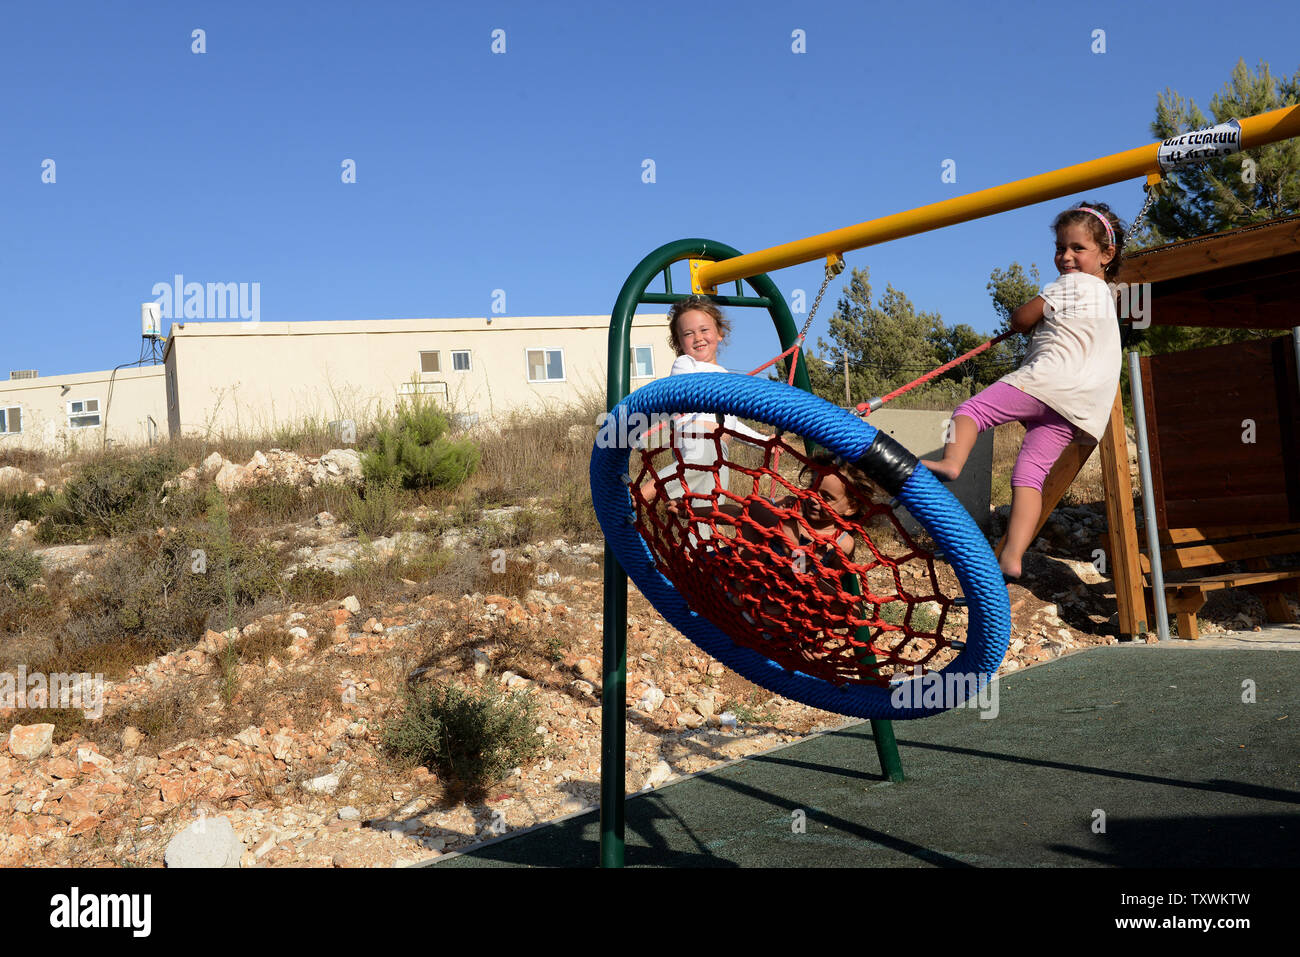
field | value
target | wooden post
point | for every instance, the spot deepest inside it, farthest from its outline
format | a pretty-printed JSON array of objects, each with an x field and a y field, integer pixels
[{"x": 1125, "y": 569}]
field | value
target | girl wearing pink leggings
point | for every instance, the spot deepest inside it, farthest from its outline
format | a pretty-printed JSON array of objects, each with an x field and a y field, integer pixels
[{"x": 1066, "y": 386}]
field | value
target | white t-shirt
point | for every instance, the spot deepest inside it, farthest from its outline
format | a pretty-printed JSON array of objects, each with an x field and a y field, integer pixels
[{"x": 1074, "y": 359}]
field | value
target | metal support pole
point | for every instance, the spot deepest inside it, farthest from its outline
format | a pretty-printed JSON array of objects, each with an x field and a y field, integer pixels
[
  {"x": 1270, "y": 127},
  {"x": 1148, "y": 497}
]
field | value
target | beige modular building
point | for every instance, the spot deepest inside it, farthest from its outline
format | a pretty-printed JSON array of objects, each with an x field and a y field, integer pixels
[
  {"x": 250, "y": 377},
  {"x": 247, "y": 378},
  {"x": 67, "y": 413}
]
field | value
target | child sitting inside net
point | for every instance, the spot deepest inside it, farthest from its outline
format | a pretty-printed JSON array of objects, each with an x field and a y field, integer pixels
[{"x": 780, "y": 548}]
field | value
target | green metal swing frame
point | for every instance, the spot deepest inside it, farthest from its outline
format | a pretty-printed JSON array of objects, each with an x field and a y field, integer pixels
[{"x": 613, "y": 729}]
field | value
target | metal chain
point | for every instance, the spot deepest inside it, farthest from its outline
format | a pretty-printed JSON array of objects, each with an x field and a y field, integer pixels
[
  {"x": 1137, "y": 220},
  {"x": 831, "y": 273}
]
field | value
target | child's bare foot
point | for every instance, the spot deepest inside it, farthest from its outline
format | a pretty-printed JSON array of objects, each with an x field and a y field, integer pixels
[
  {"x": 942, "y": 470},
  {"x": 1012, "y": 570}
]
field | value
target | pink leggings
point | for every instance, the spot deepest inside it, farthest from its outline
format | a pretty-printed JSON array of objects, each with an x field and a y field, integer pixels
[{"x": 1047, "y": 433}]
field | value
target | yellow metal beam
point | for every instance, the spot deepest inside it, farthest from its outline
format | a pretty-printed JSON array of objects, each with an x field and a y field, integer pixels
[{"x": 1255, "y": 131}]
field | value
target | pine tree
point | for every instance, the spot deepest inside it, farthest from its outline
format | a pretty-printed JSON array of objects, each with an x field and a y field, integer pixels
[
  {"x": 1010, "y": 289},
  {"x": 1253, "y": 186},
  {"x": 888, "y": 343},
  {"x": 1223, "y": 193}
]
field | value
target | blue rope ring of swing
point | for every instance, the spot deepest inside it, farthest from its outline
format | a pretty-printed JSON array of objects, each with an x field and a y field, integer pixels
[{"x": 853, "y": 440}]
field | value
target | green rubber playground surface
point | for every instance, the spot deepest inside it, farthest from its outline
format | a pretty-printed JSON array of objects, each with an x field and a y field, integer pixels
[{"x": 1156, "y": 743}]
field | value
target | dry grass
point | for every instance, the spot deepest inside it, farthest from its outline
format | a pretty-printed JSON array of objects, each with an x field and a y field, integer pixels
[{"x": 536, "y": 453}]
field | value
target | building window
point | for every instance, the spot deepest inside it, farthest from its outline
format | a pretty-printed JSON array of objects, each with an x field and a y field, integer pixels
[
  {"x": 460, "y": 360},
  {"x": 11, "y": 420},
  {"x": 83, "y": 413},
  {"x": 643, "y": 362},
  {"x": 545, "y": 365},
  {"x": 429, "y": 362}
]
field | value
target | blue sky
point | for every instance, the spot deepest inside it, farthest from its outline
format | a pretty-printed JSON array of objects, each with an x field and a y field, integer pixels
[{"x": 522, "y": 171}]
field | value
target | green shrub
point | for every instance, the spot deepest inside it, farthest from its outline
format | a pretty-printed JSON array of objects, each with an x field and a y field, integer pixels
[
  {"x": 28, "y": 506},
  {"x": 313, "y": 584},
  {"x": 374, "y": 511},
  {"x": 414, "y": 450},
  {"x": 164, "y": 592},
  {"x": 471, "y": 738},
  {"x": 18, "y": 569},
  {"x": 274, "y": 501},
  {"x": 110, "y": 494}
]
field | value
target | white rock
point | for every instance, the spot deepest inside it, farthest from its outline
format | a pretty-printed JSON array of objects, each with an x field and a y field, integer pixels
[
  {"x": 651, "y": 700},
  {"x": 299, "y": 632},
  {"x": 337, "y": 465},
  {"x": 230, "y": 477},
  {"x": 325, "y": 784},
  {"x": 351, "y": 604},
  {"x": 207, "y": 842},
  {"x": 30, "y": 741},
  {"x": 213, "y": 462},
  {"x": 251, "y": 737},
  {"x": 660, "y": 773},
  {"x": 481, "y": 662}
]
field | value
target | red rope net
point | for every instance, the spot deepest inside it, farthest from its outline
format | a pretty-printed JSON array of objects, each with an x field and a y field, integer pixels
[{"x": 775, "y": 571}]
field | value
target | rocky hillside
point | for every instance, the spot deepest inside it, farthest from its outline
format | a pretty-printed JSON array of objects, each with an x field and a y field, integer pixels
[{"x": 261, "y": 744}]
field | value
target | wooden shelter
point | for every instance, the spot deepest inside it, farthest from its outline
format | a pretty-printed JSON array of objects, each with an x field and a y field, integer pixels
[{"x": 1223, "y": 426}]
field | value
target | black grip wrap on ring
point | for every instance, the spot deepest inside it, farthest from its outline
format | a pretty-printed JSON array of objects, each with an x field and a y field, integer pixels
[{"x": 888, "y": 463}]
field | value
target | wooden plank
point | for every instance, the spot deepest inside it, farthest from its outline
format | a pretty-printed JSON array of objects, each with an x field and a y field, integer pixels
[
  {"x": 1180, "y": 535},
  {"x": 1185, "y": 605},
  {"x": 1288, "y": 418},
  {"x": 1251, "y": 509},
  {"x": 1194, "y": 555},
  {"x": 1197, "y": 402},
  {"x": 1121, "y": 526},
  {"x": 1207, "y": 315},
  {"x": 1228, "y": 281},
  {"x": 1278, "y": 238},
  {"x": 1276, "y": 607},
  {"x": 1236, "y": 579}
]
